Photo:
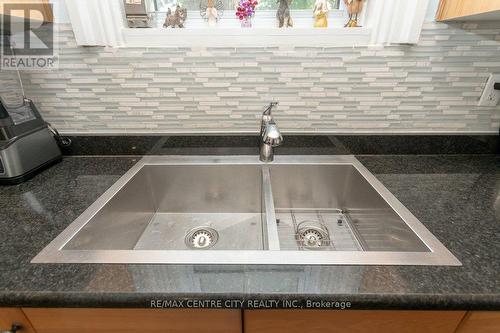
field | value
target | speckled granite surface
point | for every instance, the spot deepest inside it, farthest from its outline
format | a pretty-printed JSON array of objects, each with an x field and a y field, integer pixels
[
  {"x": 293, "y": 144},
  {"x": 457, "y": 197}
]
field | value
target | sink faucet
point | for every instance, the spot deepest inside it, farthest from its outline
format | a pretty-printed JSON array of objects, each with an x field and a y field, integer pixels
[{"x": 270, "y": 135}]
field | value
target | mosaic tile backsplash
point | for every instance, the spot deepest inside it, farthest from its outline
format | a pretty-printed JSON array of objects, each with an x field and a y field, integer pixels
[{"x": 430, "y": 87}]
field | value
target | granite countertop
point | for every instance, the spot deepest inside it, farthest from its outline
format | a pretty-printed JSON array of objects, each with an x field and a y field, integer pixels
[{"x": 457, "y": 197}]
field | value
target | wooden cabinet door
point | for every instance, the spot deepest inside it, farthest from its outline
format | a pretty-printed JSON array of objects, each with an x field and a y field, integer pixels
[
  {"x": 457, "y": 9},
  {"x": 45, "y": 8},
  {"x": 480, "y": 321},
  {"x": 331, "y": 321},
  {"x": 9, "y": 316},
  {"x": 134, "y": 320}
]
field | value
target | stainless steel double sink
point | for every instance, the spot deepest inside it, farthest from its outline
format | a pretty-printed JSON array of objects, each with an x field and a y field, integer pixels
[{"x": 310, "y": 210}]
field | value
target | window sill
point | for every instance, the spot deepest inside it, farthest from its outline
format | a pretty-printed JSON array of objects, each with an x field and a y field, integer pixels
[{"x": 246, "y": 37}]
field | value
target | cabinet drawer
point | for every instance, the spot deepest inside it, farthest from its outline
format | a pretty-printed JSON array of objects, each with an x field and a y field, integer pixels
[
  {"x": 326, "y": 321},
  {"x": 9, "y": 316},
  {"x": 133, "y": 320},
  {"x": 480, "y": 321}
]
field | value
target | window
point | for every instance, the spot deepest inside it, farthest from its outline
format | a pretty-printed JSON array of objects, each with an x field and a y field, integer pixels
[
  {"x": 265, "y": 17},
  {"x": 163, "y": 5},
  {"x": 97, "y": 22}
]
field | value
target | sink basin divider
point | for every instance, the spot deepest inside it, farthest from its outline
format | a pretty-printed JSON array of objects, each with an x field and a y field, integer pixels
[{"x": 270, "y": 228}]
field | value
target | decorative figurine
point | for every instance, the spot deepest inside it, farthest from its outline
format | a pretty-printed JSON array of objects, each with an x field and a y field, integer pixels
[
  {"x": 354, "y": 7},
  {"x": 245, "y": 11},
  {"x": 177, "y": 19},
  {"x": 211, "y": 10},
  {"x": 283, "y": 14},
  {"x": 320, "y": 13}
]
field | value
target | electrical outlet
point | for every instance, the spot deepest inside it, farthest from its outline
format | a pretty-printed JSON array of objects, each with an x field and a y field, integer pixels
[{"x": 490, "y": 96}]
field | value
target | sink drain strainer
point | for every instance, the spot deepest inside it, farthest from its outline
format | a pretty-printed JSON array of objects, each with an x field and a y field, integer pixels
[
  {"x": 312, "y": 237},
  {"x": 201, "y": 238}
]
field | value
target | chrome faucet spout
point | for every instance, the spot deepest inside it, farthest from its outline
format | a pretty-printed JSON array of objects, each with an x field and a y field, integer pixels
[{"x": 270, "y": 135}]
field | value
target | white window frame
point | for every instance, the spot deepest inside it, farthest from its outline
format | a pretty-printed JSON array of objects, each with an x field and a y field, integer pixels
[{"x": 102, "y": 22}]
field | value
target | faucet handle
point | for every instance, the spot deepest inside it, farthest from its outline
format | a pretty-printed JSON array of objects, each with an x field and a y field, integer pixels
[{"x": 270, "y": 108}]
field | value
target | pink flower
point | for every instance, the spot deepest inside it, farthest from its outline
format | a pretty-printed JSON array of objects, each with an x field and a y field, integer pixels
[{"x": 246, "y": 8}]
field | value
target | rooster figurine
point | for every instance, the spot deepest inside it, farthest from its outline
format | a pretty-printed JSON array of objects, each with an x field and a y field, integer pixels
[{"x": 354, "y": 7}]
